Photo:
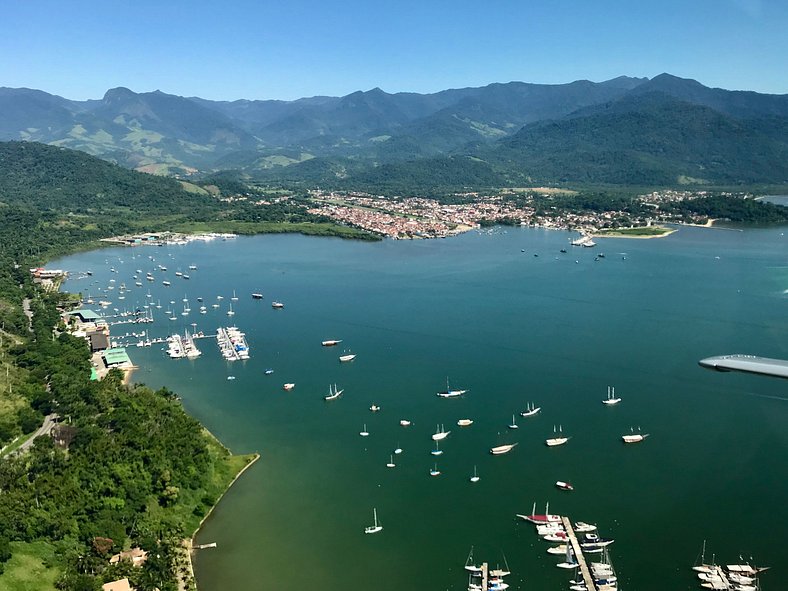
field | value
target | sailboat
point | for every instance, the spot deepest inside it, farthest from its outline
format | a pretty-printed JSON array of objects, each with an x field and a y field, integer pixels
[
  {"x": 502, "y": 449},
  {"x": 557, "y": 439},
  {"x": 333, "y": 394},
  {"x": 530, "y": 410},
  {"x": 434, "y": 471},
  {"x": 230, "y": 311},
  {"x": 514, "y": 424},
  {"x": 475, "y": 477},
  {"x": 364, "y": 432},
  {"x": 611, "y": 396},
  {"x": 373, "y": 529},
  {"x": 634, "y": 437},
  {"x": 469, "y": 566},
  {"x": 440, "y": 434},
  {"x": 541, "y": 519},
  {"x": 449, "y": 393},
  {"x": 391, "y": 463},
  {"x": 437, "y": 451},
  {"x": 235, "y": 297}
]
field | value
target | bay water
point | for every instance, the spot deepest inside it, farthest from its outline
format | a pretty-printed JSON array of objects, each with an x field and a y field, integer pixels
[{"x": 506, "y": 315}]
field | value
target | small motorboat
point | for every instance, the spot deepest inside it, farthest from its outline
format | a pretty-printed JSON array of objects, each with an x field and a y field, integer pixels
[
  {"x": 269, "y": 371},
  {"x": 288, "y": 387},
  {"x": 465, "y": 422},
  {"x": 374, "y": 408},
  {"x": 564, "y": 485},
  {"x": 405, "y": 423}
]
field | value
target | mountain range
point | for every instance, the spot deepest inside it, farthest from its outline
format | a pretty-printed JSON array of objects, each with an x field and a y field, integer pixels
[{"x": 666, "y": 130}]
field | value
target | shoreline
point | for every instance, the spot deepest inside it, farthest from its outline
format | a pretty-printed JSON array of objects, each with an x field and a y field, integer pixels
[{"x": 188, "y": 543}]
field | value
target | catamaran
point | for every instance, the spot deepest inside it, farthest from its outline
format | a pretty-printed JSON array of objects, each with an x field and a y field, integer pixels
[
  {"x": 373, "y": 529},
  {"x": 611, "y": 396}
]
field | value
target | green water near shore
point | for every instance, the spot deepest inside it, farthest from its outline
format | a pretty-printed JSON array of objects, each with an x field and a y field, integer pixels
[{"x": 512, "y": 328}]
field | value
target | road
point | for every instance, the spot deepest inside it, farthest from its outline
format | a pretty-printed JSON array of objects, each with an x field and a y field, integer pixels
[{"x": 45, "y": 429}]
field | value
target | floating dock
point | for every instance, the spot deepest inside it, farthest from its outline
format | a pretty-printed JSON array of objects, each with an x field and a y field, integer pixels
[{"x": 578, "y": 552}]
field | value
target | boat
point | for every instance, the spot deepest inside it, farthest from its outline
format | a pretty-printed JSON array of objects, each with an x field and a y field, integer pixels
[
  {"x": 373, "y": 529},
  {"x": 364, "y": 432},
  {"x": 611, "y": 397},
  {"x": 185, "y": 276},
  {"x": 268, "y": 371},
  {"x": 560, "y": 549},
  {"x": 502, "y": 449},
  {"x": 437, "y": 451},
  {"x": 288, "y": 387},
  {"x": 277, "y": 305},
  {"x": 469, "y": 566},
  {"x": 166, "y": 283},
  {"x": 257, "y": 296},
  {"x": 346, "y": 358},
  {"x": 333, "y": 394},
  {"x": 558, "y": 438},
  {"x": 405, "y": 423},
  {"x": 235, "y": 297},
  {"x": 564, "y": 485},
  {"x": 530, "y": 410},
  {"x": 230, "y": 311},
  {"x": 634, "y": 437},
  {"x": 193, "y": 267},
  {"x": 434, "y": 471},
  {"x": 449, "y": 393},
  {"x": 331, "y": 342},
  {"x": 465, "y": 422},
  {"x": 556, "y": 536},
  {"x": 514, "y": 424},
  {"x": 391, "y": 463},
  {"x": 583, "y": 527},
  {"x": 374, "y": 408},
  {"x": 541, "y": 519},
  {"x": 230, "y": 377},
  {"x": 440, "y": 434},
  {"x": 475, "y": 477}
]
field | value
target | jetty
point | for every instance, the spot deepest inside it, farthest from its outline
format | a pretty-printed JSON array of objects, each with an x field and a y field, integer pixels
[{"x": 578, "y": 552}]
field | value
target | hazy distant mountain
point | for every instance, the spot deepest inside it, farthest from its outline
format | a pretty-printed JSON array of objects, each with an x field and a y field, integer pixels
[{"x": 622, "y": 130}]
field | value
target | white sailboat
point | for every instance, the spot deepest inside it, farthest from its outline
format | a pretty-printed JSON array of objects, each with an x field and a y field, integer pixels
[
  {"x": 437, "y": 451},
  {"x": 530, "y": 410},
  {"x": 391, "y": 463},
  {"x": 434, "y": 471},
  {"x": 373, "y": 529},
  {"x": 634, "y": 437},
  {"x": 440, "y": 433},
  {"x": 611, "y": 396},
  {"x": 475, "y": 477},
  {"x": 557, "y": 439},
  {"x": 449, "y": 393},
  {"x": 514, "y": 424},
  {"x": 235, "y": 297},
  {"x": 334, "y": 393},
  {"x": 364, "y": 432},
  {"x": 230, "y": 311},
  {"x": 502, "y": 449}
]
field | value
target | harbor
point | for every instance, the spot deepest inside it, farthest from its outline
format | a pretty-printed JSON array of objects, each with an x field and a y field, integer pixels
[{"x": 529, "y": 332}]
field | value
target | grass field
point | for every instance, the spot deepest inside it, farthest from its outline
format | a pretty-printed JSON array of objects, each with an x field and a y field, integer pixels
[{"x": 28, "y": 568}]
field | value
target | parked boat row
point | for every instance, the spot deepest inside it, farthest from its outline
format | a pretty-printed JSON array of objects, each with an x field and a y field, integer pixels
[
  {"x": 727, "y": 577},
  {"x": 232, "y": 343}
]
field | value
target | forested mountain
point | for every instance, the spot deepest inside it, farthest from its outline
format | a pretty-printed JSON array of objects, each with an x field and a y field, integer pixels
[{"x": 665, "y": 130}]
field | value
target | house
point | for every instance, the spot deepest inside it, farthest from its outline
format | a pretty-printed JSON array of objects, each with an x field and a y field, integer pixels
[
  {"x": 119, "y": 585},
  {"x": 99, "y": 341},
  {"x": 137, "y": 557}
]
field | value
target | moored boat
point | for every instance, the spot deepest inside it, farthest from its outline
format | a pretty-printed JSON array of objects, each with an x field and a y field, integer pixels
[
  {"x": 440, "y": 433},
  {"x": 502, "y": 449},
  {"x": 530, "y": 410},
  {"x": 611, "y": 397},
  {"x": 331, "y": 342},
  {"x": 557, "y": 439},
  {"x": 346, "y": 358},
  {"x": 465, "y": 422},
  {"x": 288, "y": 387},
  {"x": 333, "y": 394},
  {"x": 564, "y": 485},
  {"x": 634, "y": 437}
]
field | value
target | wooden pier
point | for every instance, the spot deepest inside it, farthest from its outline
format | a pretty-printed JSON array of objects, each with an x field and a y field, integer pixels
[{"x": 581, "y": 560}]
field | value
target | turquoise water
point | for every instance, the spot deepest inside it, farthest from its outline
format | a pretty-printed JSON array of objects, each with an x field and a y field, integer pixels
[{"x": 511, "y": 327}]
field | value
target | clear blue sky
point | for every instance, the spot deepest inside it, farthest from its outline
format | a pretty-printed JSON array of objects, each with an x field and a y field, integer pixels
[{"x": 260, "y": 49}]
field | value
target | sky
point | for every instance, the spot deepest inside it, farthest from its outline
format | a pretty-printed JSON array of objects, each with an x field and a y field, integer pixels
[{"x": 259, "y": 49}]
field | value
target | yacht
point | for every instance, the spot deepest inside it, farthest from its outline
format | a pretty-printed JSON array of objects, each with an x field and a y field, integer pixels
[
  {"x": 449, "y": 393},
  {"x": 346, "y": 358},
  {"x": 564, "y": 485},
  {"x": 465, "y": 422},
  {"x": 288, "y": 387},
  {"x": 257, "y": 296},
  {"x": 277, "y": 305},
  {"x": 405, "y": 423},
  {"x": 331, "y": 342}
]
